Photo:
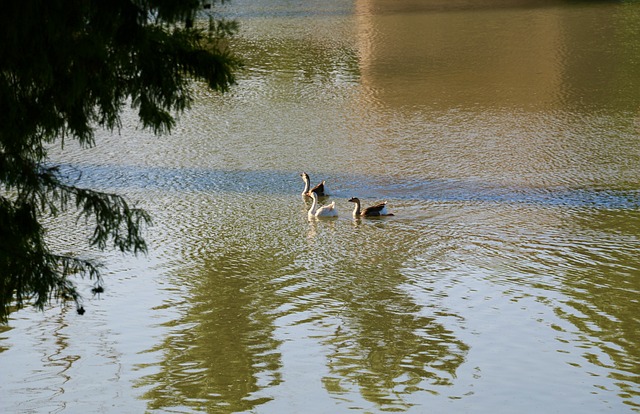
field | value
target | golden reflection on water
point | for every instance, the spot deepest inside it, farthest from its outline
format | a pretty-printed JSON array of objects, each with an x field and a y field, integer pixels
[{"x": 452, "y": 58}]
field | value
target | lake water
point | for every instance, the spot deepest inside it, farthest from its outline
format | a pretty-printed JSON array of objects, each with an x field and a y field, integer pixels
[{"x": 505, "y": 136}]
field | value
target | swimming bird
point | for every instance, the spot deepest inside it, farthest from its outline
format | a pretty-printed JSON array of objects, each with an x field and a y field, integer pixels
[
  {"x": 373, "y": 211},
  {"x": 318, "y": 189},
  {"x": 321, "y": 211}
]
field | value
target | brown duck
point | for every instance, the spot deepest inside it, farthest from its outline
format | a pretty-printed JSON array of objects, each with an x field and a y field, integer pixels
[{"x": 373, "y": 211}]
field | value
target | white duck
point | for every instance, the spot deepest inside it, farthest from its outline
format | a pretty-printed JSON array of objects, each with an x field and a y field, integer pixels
[
  {"x": 318, "y": 189},
  {"x": 321, "y": 211},
  {"x": 373, "y": 211}
]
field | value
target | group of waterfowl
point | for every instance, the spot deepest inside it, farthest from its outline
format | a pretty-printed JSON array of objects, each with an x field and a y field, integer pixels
[{"x": 330, "y": 210}]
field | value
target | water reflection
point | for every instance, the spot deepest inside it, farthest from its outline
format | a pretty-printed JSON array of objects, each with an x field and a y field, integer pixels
[
  {"x": 582, "y": 265},
  {"x": 222, "y": 352},
  {"x": 413, "y": 54},
  {"x": 506, "y": 141},
  {"x": 381, "y": 347},
  {"x": 583, "y": 275},
  {"x": 601, "y": 284},
  {"x": 251, "y": 284}
]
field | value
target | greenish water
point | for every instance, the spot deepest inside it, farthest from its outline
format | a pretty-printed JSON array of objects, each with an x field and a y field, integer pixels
[{"x": 505, "y": 140}]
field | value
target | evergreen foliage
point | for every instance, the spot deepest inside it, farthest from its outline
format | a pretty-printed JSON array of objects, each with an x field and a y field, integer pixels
[{"x": 68, "y": 67}]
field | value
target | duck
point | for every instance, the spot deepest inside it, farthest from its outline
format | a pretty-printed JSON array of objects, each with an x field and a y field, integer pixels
[
  {"x": 321, "y": 211},
  {"x": 318, "y": 189},
  {"x": 373, "y": 211}
]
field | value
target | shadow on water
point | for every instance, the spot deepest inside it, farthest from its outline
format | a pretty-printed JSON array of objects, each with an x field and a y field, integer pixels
[
  {"x": 337, "y": 8},
  {"x": 276, "y": 182}
]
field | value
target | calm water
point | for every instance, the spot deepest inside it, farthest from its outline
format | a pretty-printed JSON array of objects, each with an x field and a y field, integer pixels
[{"x": 506, "y": 141}]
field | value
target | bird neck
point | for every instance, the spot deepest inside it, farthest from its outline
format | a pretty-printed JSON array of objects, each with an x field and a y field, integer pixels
[
  {"x": 306, "y": 186},
  {"x": 356, "y": 209},
  {"x": 314, "y": 204}
]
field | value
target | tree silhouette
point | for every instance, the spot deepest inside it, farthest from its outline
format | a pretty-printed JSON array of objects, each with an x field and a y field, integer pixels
[{"x": 68, "y": 67}]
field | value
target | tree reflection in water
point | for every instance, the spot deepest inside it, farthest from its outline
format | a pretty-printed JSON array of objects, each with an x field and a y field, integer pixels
[
  {"x": 383, "y": 346},
  {"x": 222, "y": 352},
  {"x": 251, "y": 284}
]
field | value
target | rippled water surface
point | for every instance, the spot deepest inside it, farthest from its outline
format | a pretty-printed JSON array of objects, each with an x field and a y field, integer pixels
[{"x": 504, "y": 136}]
